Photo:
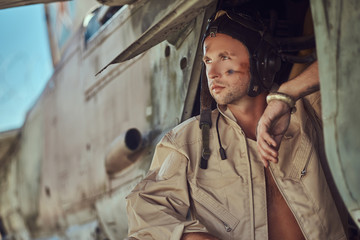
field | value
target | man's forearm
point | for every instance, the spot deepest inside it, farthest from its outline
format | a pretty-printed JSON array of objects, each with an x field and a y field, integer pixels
[{"x": 305, "y": 83}]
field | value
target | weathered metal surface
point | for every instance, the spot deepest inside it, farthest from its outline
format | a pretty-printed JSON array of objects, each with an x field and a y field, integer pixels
[
  {"x": 338, "y": 48},
  {"x": 56, "y": 184},
  {"x": 18, "y": 3}
]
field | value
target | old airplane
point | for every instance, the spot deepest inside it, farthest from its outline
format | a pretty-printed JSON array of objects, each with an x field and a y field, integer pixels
[{"x": 126, "y": 71}]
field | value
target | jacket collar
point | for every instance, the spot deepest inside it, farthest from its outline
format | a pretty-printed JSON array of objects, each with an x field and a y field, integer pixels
[{"x": 229, "y": 118}]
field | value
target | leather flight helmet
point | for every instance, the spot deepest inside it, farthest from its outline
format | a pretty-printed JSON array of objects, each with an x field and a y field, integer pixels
[{"x": 251, "y": 31}]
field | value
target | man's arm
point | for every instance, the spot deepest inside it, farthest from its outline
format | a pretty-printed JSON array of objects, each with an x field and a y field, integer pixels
[
  {"x": 157, "y": 208},
  {"x": 276, "y": 117}
]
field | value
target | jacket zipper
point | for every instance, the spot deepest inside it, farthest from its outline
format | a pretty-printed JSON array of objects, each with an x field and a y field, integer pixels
[
  {"x": 277, "y": 184},
  {"x": 227, "y": 227}
]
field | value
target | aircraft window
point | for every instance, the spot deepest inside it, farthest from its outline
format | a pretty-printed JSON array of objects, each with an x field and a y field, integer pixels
[
  {"x": 107, "y": 13},
  {"x": 91, "y": 24},
  {"x": 96, "y": 18}
]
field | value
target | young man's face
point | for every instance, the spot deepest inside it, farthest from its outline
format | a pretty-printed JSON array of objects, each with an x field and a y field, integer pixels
[{"x": 227, "y": 68}]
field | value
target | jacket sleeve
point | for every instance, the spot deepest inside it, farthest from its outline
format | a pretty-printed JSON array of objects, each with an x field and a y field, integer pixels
[
  {"x": 158, "y": 206},
  {"x": 312, "y": 103}
]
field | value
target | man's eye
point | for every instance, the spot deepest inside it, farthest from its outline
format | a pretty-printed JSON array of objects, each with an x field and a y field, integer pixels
[
  {"x": 225, "y": 58},
  {"x": 208, "y": 61}
]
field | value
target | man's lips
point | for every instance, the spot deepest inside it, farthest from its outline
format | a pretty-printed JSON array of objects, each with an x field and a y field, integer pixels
[{"x": 216, "y": 88}]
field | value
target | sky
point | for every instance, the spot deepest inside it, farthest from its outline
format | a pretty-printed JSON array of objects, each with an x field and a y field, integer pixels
[{"x": 25, "y": 62}]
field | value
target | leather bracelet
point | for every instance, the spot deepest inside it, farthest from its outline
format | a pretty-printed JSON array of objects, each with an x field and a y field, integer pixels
[{"x": 284, "y": 98}]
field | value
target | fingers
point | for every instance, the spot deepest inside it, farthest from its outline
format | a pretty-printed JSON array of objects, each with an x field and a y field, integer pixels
[
  {"x": 267, "y": 152},
  {"x": 271, "y": 127},
  {"x": 268, "y": 139},
  {"x": 267, "y": 145}
]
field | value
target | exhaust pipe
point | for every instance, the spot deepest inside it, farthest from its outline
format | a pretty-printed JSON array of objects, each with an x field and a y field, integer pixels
[{"x": 119, "y": 154}]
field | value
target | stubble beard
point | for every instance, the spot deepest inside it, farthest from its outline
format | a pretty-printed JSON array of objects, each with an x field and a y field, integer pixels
[{"x": 231, "y": 96}]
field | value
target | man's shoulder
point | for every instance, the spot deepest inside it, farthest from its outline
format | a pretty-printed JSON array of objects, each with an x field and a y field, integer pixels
[
  {"x": 186, "y": 132},
  {"x": 192, "y": 123},
  {"x": 188, "y": 123}
]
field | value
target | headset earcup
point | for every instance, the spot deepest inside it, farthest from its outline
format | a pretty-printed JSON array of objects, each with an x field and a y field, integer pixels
[{"x": 268, "y": 63}]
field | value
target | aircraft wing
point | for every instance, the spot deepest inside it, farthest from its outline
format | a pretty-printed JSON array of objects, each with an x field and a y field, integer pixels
[{"x": 170, "y": 17}]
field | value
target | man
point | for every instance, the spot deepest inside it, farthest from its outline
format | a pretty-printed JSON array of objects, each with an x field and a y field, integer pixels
[{"x": 257, "y": 190}]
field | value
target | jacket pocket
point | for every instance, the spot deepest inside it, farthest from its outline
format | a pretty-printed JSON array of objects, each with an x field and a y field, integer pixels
[
  {"x": 301, "y": 158},
  {"x": 294, "y": 162},
  {"x": 212, "y": 213}
]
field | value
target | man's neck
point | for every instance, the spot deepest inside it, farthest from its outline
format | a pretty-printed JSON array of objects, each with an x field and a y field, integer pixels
[{"x": 248, "y": 112}]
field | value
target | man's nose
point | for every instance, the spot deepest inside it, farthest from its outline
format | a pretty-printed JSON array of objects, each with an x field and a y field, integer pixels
[{"x": 213, "y": 71}]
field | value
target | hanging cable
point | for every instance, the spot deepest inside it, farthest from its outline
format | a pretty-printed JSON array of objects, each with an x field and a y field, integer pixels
[{"x": 221, "y": 150}]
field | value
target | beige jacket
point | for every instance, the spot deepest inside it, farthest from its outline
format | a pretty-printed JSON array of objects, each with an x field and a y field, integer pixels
[{"x": 229, "y": 198}]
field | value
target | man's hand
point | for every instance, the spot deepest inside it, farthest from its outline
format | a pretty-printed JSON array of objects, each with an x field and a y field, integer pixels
[
  {"x": 270, "y": 130},
  {"x": 198, "y": 236},
  {"x": 276, "y": 117}
]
